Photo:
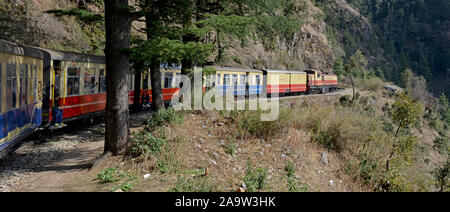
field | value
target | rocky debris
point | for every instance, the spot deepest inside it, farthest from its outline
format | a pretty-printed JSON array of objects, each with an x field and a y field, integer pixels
[
  {"x": 324, "y": 158},
  {"x": 393, "y": 88}
]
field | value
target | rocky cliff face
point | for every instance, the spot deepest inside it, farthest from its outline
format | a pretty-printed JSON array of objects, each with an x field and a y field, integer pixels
[{"x": 25, "y": 21}]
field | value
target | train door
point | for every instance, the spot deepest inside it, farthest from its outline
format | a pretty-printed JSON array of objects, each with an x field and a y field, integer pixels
[{"x": 57, "y": 85}]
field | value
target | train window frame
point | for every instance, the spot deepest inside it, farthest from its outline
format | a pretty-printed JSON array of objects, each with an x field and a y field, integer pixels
[
  {"x": 11, "y": 82},
  {"x": 168, "y": 80},
  {"x": 93, "y": 87},
  {"x": 226, "y": 79},
  {"x": 23, "y": 79},
  {"x": 34, "y": 81},
  {"x": 218, "y": 79},
  {"x": 258, "y": 79},
  {"x": 102, "y": 81},
  {"x": 234, "y": 80},
  {"x": 74, "y": 78},
  {"x": 242, "y": 80},
  {"x": 131, "y": 82}
]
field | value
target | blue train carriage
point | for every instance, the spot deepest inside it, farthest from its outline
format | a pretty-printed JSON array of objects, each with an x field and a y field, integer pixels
[
  {"x": 21, "y": 83},
  {"x": 237, "y": 81}
]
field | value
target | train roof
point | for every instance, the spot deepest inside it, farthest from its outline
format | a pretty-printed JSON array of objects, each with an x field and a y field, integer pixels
[
  {"x": 16, "y": 49},
  {"x": 74, "y": 56},
  {"x": 284, "y": 71},
  {"x": 235, "y": 69}
]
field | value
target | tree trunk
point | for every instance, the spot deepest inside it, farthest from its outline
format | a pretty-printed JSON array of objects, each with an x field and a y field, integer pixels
[
  {"x": 353, "y": 87},
  {"x": 157, "y": 94},
  {"x": 151, "y": 23},
  {"x": 118, "y": 31}
]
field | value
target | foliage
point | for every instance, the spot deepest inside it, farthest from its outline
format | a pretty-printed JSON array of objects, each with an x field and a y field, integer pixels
[
  {"x": 248, "y": 123},
  {"x": 442, "y": 144},
  {"x": 193, "y": 185},
  {"x": 441, "y": 175},
  {"x": 373, "y": 84},
  {"x": 294, "y": 184},
  {"x": 107, "y": 175},
  {"x": 231, "y": 148},
  {"x": 164, "y": 118},
  {"x": 145, "y": 143},
  {"x": 405, "y": 112},
  {"x": 255, "y": 179}
]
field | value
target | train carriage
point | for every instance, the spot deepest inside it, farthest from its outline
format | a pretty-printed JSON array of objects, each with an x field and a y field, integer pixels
[
  {"x": 21, "y": 82},
  {"x": 284, "y": 82},
  {"x": 169, "y": 82},
  {"x": 82, "y": 83},
  {"x": 237, "y": 81}
]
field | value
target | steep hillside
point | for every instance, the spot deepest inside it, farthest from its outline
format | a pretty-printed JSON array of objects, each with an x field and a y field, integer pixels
[{"x": 26, "y": 22}]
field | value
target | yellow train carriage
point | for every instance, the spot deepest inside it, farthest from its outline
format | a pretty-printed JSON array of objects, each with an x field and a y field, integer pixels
[{"x": 21, "y": 81}]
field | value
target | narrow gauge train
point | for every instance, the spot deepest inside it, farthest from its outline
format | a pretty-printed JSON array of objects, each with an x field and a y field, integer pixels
[
  {"x": 238, "y": 81},
  {"x": 27, "y": 80}
]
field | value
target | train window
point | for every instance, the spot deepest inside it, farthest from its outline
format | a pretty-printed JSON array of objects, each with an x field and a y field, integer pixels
[
  {"x": 23, "y": 97},
  {"x": 90, "y": 86},
  {"x": 102, "y": 82},
  {"x": 242, "y": 79},
  {"x": 73, "y": 81},
  {"x": 235, "y": 79},
  {"x": 168, "y": 78},
  {"x": 213, "y": 80},
  {"x": 226, "y": 79},
  {"x": 34, "y": 82},
  {"x": 11, "y": 86},
  {"x": 131, "y": 82},
  {"x": 258, "y": 80},
  {"x": 218, "y": 79}
]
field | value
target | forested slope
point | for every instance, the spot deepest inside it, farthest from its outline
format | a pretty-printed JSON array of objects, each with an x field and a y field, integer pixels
[{"x": 296, "y": 34}]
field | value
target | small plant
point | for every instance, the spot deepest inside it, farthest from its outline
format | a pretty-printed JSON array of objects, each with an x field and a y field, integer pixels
[
  {"x": 294, "y": 185},
  {"x": 164, "y": 118},
  {"x": 125, "y": 186},
  {"x": 255, "y": 178},
  {"x": 168, "y": 164},
  {"x": 441, "y": 174},
  {"x": 231, "y": 148},
  {"x": 193, "y": 185},
  {"x": 442, "y": 144},
  {"x": 107, "y": 175},
  {"x": 145, "y": 143}
]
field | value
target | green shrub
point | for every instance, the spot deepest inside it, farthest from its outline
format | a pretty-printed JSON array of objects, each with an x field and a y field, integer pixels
[
  {"x": 294, "y": 185},
  {"x": 164, "y": 118},
  {"x": 255, "y": 179},
  {"x": 231, "y": 148},
  {"x": 373, "y": 84},
  {"x": 145, "y": 143},
  {"x": 193, "y": 185},
  {"x": 249, "y": 124},
  {"x": 442, "y": 144},
  {"x": 107, "y": 175}
]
